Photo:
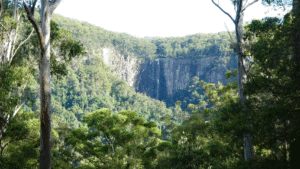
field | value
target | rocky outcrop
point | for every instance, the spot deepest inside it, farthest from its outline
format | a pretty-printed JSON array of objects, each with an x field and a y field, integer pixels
[
  {"x": 125, "y": 67},
  {"x": 160, "y": 78}
]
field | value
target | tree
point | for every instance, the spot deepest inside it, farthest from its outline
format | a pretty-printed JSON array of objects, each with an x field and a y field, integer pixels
[
  {"x": 291, "y": 33},
  {"x": 11, "y": 43},
  {"x": 19, "y": 146},
  {"x": 18, "y": 63},
  {"x": 122, "y": 140},
  {"x": 295, "y": 144},
  {"x": 240, "y": 7},
  {"x": 275, "y": 78},
  {"x": 43, "y": 31}
]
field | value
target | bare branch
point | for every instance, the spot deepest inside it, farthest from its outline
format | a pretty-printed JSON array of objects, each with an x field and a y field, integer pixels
[
  {"x": 233, "y": 41},
  {"x": 223, "y": 11},
  {"x": 239, "y": 10},
  {"x": 35, "y": 24},
  {"x": 22, "y": 43},
  {"x": 4, "y": 127},
  {"x": 249, "y": 5},
  {"x": 33, "y": 7},
  {"x": 15, "y": 9},
  {"x": 235, "y": 4},
  {"x": 18, "y": 108},
  {"x": 54, "y": 4},
  {"x": 246, "y": 1}
]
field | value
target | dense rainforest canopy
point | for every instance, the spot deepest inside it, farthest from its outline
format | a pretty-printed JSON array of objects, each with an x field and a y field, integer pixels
[{"x": 100, "y": 122}]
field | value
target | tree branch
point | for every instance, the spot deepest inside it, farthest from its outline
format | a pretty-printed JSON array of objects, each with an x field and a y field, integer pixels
[
  {"x": 33, "y": 7},
  {"x": 35, "y": 24},
  {"x": 22, "y": 43},
  {"x": 223, "y": 11},
  {"x": 2, "y": 148},
  {"x": 231, "y": 38},
  {"x": 15, "y": 9},
  {"x": 53, "y": 5},
  {"x": 4, "y": 127},
  {"x": 18, "y": 108},
  {"x": 249, "y": 5}
]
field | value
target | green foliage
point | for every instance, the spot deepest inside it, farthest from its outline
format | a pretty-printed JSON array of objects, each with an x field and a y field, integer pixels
[
  {"x": 273, "y": 86},
  {"x": 125, "y": 128},
  {"x": 19, "y": 145},
  {"x": 113, "y": 140},
  {"x": 94, "y": 37},
  {"x": 193, "y": 46},
  {"x": 231, "y": 74},
  {"x": 13, "y": 78},
  {"x": 212, "y": 137},
  {"x": 195, "y": 144},
  {"x": 89, "y": 86},
  {"x": 191, "y": 95}
]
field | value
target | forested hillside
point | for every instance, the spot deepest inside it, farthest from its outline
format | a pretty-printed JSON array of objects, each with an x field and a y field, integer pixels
[
  {"x": 90, "y": 86},
  {"x": 192, "y": 46},
  {"x": 189, "y": 47}
]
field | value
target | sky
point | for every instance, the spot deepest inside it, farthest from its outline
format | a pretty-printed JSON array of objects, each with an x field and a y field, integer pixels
[{"x": 160, "y": 18}]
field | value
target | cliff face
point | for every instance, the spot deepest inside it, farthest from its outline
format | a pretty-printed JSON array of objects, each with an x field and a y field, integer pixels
[
  {"x": 160, "y": 78},
  {"x": 125, "y": 67}
]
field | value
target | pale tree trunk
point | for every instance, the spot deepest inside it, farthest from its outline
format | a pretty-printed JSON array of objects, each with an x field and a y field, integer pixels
[
  {"x": 43, "y": 31},
  {"x": 45, "y": 88},
  {"x": 242, "y": 76},
  {"x": 240, "y": 7},
  {"x": 12, "y": 36}
]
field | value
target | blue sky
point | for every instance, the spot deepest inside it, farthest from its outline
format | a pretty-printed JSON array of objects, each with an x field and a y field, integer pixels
[{"x": 162, "y": 18}]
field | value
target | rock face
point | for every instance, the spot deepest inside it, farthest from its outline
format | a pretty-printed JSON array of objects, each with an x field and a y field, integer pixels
[
  {"x": 125, "y": 67},
  {"x": 160, "y": 78}
]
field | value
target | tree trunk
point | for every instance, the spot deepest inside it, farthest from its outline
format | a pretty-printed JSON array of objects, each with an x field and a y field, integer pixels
[
  {"x": 240, "y": 7},
  {"x": 242, "y": 76},
  {"x": 45, "y": 88},
  {"x": 43, "y": 32}
]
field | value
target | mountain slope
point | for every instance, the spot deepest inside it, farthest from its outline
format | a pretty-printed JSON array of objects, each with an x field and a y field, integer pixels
[
  {"x": 90, "y": 84},
  {"x": 191, "y": 46}
]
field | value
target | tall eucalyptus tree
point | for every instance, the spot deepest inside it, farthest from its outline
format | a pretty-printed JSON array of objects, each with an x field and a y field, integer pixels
[
  {"x": 240, "y": 7},
  {"x": 43, "y": 32}
]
